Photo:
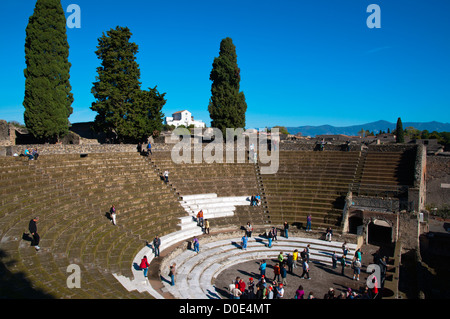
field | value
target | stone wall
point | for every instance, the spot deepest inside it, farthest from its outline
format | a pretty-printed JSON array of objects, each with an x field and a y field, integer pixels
[
  {"x": 417, "y": 193},
  {"x": 438, "y": 181},
  {"x": 52, "y": 149},
  {"x": 377, "y": 203},
  {"x": 5, "y": 138}
]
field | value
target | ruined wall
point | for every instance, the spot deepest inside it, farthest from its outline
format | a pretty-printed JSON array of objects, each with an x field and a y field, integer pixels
[
  {"x": 50, "y": 149},
  {"x": 438, "y": 181}
]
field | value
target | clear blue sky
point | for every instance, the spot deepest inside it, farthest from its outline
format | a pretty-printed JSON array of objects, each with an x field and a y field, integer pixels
[{"x": 302, "y": 62}]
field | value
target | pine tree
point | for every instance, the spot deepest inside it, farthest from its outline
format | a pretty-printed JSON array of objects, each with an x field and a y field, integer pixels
[
  {"x": 227, "y": 105},
  {"x": 48, "y": 98},
  {"x": 123, "y": 108},
  {"x": 400, "y": 134}
]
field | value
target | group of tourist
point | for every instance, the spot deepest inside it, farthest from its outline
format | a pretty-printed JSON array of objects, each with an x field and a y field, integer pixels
[
  {"x": 286, "y": 263},
  {"x": 32, "y": 155},
  {"x": 202, "y": 222},
  {"x": 145, "y": 152},
  {"x": 274, "y": 288}
]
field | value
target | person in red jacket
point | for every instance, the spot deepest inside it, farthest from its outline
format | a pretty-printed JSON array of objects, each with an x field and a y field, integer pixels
[
  {"x": 241, "y": 285},
  {"x": 276, "y": 272},
  {"x": 144, "y": 265}
]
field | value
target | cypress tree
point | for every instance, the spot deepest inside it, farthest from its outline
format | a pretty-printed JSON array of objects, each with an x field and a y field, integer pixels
[
  {"x": 400, "y": 134},
  {"x": 123, "y": 108},
  {"x": 227, "y": 105},
  {"x": 48, "y": 98}
]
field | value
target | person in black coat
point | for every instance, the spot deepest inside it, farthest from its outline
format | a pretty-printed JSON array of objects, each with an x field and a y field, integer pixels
[{"x": 32, "y": 227}]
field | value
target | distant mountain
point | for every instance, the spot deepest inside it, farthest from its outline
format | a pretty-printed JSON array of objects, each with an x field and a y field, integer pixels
[{"x": 372, "y": 127}]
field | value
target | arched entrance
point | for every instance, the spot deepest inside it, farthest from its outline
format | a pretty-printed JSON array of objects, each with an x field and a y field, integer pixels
[{"x": 379, "y": 232}]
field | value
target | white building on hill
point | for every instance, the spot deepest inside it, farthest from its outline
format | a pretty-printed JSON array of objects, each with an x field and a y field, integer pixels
[{"x": 183, "y": 118}]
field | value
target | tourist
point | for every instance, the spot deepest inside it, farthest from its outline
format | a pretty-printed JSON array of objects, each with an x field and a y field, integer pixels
[
  {"x": 342, "y": 260},
  {"x": 311, "y": 295},
  {"x": 269, "y": 238},
  {"x": 172, "y": 274},
  {"x": 196, "y": 245},
  {"x": 295, "y": 258},
  {"x": 251, "y": 289},
  {"x": 32, "y": 227},
  {"x": 244, "y": 242},
  {"x": 308, "y": 222},
  {"x": 249, "y": 229},
  {"x": 241, "y": 286},
  {"x": 236, "y": 293},
  {"x": 286, "y": 228},
  {"x": 236, "y": 282},
  {"x": 299, "y": 293},
  {"x": 356, "y": 265},
  {"x": 358, "y": 254},
  {"x": 269, "y": 293},
  {"x": 253, "y": 200},
  {"x": 274, "y": 233},
  {"x": 304, "y": 254},
  {"x": 305, "y": 267},
  {"x": 308, "y": 252},
  {"x": 322, "y": 145},
  {"x": 290, "y": 263},
  {"x": 149, "y": 148},
  {"x": 280, "y": 291},
  {"x": 156, "y": 245},
  {"x": 231, "y": 288},
  {"x": 366, "y": 293},
  {"x": 334, "y": 259},
  {"x": 329, "y": 234},
  {"x": 345, "y": 249},
  {"x": 35, "y": 154},
  {"x": 374, "y": 290},
  {"x": 383, "y": 268},
  {"x": 280, "y": 257},
  {"x": 283, "y": 274},
  {"x": 206, "y": 226},
  {"x": 144, "y": 265},
  {"x": 262, "y": 268},
  {"x": 257, "y": 200},
  {"x": 260, "y": 291},
  {"x": 112, "y": 214},
  {"x": 276, "y": 272},
  {"x": 28, "y": 154},
  {"x": 166, "y": 176},
  {"x": 342, "y": 295},
  {"x": 330, "y": 294},
  {"x": 262, "y": 284},
  {"x": 200, "y": 218}
]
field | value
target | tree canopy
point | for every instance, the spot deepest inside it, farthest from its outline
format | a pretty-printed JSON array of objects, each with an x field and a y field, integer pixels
[
  {"x": 227, "y": 106},
  {"x": 48, "y": 98},
  {"x": 125, "y": 110},
  {"x": 400, "y": 134}
]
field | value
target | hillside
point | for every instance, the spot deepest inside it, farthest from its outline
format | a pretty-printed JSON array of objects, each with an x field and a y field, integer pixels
[{"x": 372, "y": 127}]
